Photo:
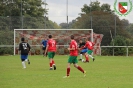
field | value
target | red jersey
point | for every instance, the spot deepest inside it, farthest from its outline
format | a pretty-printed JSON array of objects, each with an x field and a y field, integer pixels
[
  {"x": 51, "y": 45},
  {"x": 89, "y": 45},
  {"x": 74, "y": 45}
]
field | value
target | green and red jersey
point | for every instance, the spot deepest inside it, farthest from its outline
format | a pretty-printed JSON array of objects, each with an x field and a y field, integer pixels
[
  {"x": 89, "y": 45},
  {"x": 51, "y": 45},
  {"x": 74, "y": 45}
]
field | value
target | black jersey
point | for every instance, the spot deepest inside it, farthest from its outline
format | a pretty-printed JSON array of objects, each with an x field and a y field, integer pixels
[
  {"x": 24, "y": 48},
  {"x": 81, "y": 44}
]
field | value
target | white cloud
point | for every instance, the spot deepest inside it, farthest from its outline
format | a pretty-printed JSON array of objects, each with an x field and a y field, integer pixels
[{"x": 58, "y": 9}]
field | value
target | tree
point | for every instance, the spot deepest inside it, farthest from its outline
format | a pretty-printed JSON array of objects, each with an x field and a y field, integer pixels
[
  {"x": 102, "y": 20},
  {"x": 29, "y": 7},
  {"x": 26, "y": 14},
  {"x": 95, "y": 6},
  {"x": 130, "y": 28}
]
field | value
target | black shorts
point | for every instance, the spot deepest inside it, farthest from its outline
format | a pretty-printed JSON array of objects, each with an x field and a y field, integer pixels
[{"x": 44, "y": 48}]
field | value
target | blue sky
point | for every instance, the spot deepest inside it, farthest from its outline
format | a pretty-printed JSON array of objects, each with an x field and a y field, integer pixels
[{"x": 58, "y": 12}]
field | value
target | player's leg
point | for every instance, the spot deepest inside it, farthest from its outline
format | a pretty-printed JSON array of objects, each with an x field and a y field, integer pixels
[
  {"x": 23, "y": 61},
  {"x": 50, "y": 60},
  {"x": 75, "y": 61},
  {"x": 85, "y": 54},
  {"x": 90, "y": 52},
  {"x": 86, "y": 57},
  {"x": 26, "y": 56},
  {"x": 80, "y": 56},
  {"x": 53, "y": 62},
  {"x": 44, "y": 51},
  {"x": 43, "y": 48},
  {"x": 68, "y": 67}
]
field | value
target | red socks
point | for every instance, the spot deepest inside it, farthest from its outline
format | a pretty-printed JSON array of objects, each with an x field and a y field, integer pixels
[
  {"x": 52, "y": 63},
  {"x": 68, "y": 71},
  {"x": 87, "y": 58},
  {"x": 79, "y": 68}
]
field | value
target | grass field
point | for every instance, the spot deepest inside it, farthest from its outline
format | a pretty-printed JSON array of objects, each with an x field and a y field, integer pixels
[{"x": 105, "y": 72}]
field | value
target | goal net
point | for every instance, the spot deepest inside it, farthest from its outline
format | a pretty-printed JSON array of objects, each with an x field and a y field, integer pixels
[{"x": 35, "y": 36}]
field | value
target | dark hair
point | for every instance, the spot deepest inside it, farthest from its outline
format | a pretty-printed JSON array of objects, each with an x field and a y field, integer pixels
[
  {"x": 50, "y": 36},
  {"x": 72, "y": 36},
  {"x": 87, "y": 39},
  {"x": 22, "y": 39}
]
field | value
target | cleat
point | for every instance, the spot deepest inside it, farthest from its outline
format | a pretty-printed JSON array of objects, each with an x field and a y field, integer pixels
[
  {"x": 51, "y": 69},
  {"x": 28, "y": 61},
  {"x": 54, "y": 67},
  {"x": 66, "y": 76},
  {"x": 84, "y": 73},
  {"x": 93, "y": 59},
  {"x": 24, "y": 68},
  {"x": 86, "y": 61},
  {"x": 80, "y": 59}
]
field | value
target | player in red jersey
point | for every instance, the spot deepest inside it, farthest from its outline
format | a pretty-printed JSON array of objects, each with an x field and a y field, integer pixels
[
  {"x": 51, "y": 49},
  {"x": 90, "y": 46},
  {"x": 73, "y": 48}
]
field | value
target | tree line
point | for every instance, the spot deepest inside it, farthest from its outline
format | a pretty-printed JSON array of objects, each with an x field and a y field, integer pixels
[{"x": 29, "y": 14}]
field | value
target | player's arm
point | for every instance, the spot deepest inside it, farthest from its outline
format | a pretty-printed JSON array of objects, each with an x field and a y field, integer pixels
[
  {"x": 46, "y": 49},
  {"x": 29, "y": 48},
  {"x": 19, "y": 49},
  {"x": 85, "y": 46},
  {"x": 72, "y": 47}
]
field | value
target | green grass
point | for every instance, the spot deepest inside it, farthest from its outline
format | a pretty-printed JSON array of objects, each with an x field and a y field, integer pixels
[{"x": 105, "y": 72}]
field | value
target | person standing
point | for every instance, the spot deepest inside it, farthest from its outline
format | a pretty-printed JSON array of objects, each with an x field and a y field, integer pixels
[
  {"x": 44, "y": 45},
  {"x": 51, "y": 49},
  {"x": 24, "y": 49},
  {"x": 73, "y": 48}
]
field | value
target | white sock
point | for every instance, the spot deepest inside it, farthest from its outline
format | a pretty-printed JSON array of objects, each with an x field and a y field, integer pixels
[
  {"x": 80, "y": 56},
  {"x": 91, "y": 56},
  {"x": 23, "y": 64},
  {"x": 26, "y": 60}
]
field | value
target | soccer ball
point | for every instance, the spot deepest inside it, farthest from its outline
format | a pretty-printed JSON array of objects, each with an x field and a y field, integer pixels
[{"x": 83, "y": 60}]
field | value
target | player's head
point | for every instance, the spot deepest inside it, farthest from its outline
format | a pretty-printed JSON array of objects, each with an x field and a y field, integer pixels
[
  {"x": 50, "y": 36},
  {"x": 22, "y": 39},
  {"x": 80, "y": 41},
  {"x": 72, "y": 36},
  {"x": 86, "y": 39}
]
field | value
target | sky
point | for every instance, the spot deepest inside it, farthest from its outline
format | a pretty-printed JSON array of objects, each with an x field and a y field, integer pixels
[{"x": 58, "y": 10}]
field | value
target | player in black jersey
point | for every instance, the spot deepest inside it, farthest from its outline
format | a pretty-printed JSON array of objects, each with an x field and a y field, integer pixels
[{"x": 24, "y": 49}]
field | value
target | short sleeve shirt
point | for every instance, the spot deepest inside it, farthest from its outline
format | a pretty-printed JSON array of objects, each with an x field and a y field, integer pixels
[{"x": 74, "y": 45}]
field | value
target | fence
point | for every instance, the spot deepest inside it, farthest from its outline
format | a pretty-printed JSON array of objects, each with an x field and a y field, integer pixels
[{"x": 63, "y": 49}]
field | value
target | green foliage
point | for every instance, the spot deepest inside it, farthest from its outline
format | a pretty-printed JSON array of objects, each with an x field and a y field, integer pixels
[
  {"x": 95, "y": 6},
  {"x": 6, "y": 38},
  {"x": 29, "y": 7},
  {"x": 27, "y": 14},
  {"x": 130, "y": 28},
  {"x": 102, "y": 20},
  {"x": 119, "y": 41}
]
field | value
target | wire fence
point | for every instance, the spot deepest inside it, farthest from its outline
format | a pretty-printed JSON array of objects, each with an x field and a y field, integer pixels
[{"x": 62, "y": 50}]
